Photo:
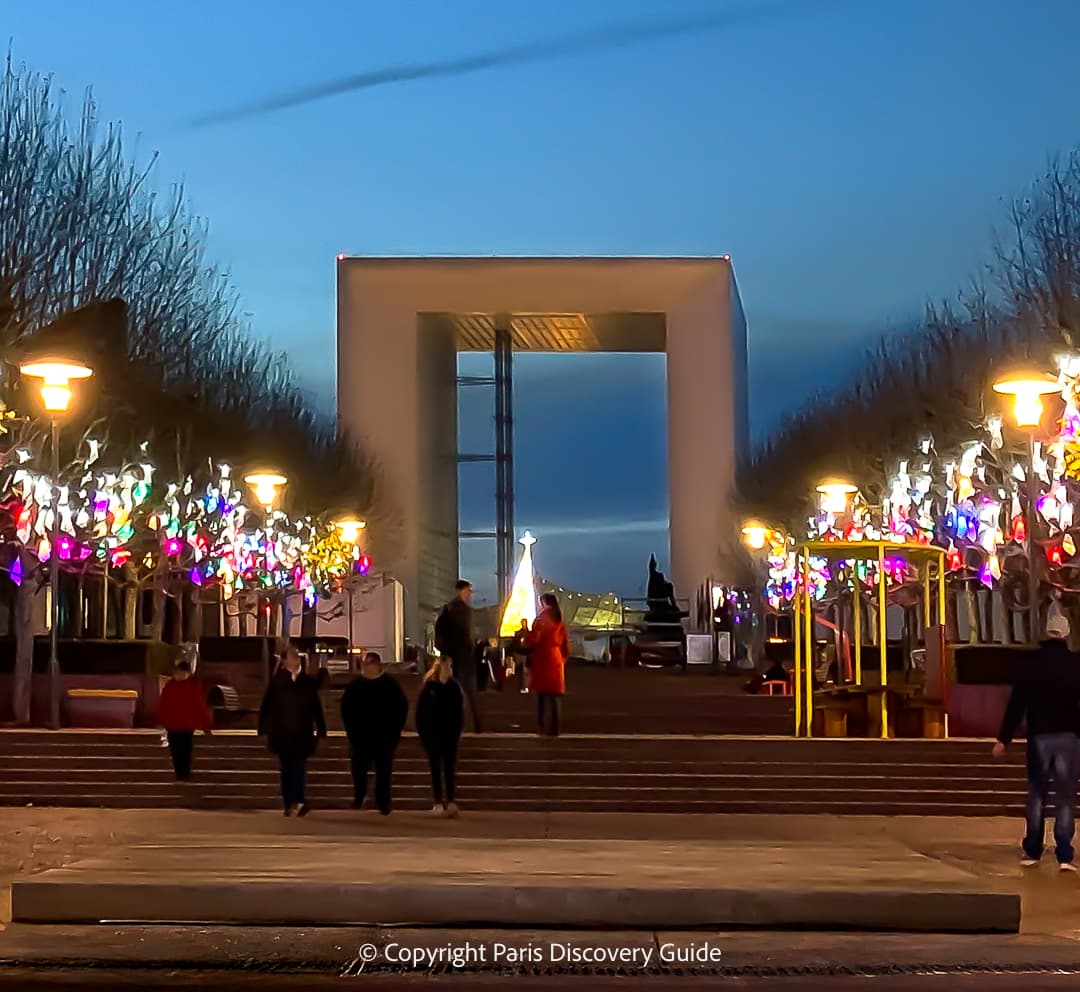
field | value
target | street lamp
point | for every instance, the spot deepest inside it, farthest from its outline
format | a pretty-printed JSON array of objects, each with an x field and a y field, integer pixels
[
  {"x": 1027, "y": 390},
  {"x": 350, "y": 529},
  {"x": 265, "y": 486},
  {"x": 755, "y": 535},
  {"x": 56, "y": 375},
  {"x": 835, "y": 494}
]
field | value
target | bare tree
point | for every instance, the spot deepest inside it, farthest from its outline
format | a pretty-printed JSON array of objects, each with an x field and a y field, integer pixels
[
  {"x": 81, "y": 222},
  {"x": 933, "y": 380}
]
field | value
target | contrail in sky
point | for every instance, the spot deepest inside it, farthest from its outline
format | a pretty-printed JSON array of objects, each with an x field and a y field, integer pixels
[{"x": 597, "y": 39}]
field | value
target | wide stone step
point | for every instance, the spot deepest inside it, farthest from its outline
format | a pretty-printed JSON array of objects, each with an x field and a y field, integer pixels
[
  {"x": 623, "y": 805},
  {"x": 691, "y": 744},
  {"x": 510, "y": 772},
  {"x": 528, "y": 775},
  {"x": 535, "y": 884},
  {"x": 480, "y": 790},
  {"x": 469, "y": 751},
  {"x": 567, "y": 784},
  {"x": 790, "y": 748}
]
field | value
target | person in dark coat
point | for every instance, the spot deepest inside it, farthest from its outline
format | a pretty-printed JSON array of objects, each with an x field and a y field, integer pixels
[
  {"x": 521, "y": 655},
  {"x": 291, "y": 718},
  {"x": 1047, "y": 694},
  {"x": 373, "y": 712},
  {"x": 483, "y": 673},
  {"x": 495, "y": 663},
  {"x": 454, "y": 638},
  {"x": 440, "y": 716},
  {"x": 181, "y": 711}
]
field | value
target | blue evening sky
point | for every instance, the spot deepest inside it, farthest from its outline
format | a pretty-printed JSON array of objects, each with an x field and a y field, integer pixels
[{"x": 852, "y": 157}]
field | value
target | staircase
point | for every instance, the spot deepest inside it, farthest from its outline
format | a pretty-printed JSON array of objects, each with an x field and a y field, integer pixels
[
  {"x": 524, "y": 773},
  {"x": 609, "y": 701}
]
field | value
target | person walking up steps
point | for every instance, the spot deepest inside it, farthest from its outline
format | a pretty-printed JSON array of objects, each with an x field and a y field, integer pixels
[
  {"x": 181, "y": 711},
  {"x": 1047, "y": 693},
  {"x": 548, "y": 645},
  {"x": 454, "y": 638},
  {"x": 373, "y": 712},
  {"x": 440, "y": 714},
  {"x": 291, "y": 718}
]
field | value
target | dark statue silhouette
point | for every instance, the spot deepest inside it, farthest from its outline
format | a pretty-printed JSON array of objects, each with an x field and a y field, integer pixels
[{"x": 661, "y": 638}]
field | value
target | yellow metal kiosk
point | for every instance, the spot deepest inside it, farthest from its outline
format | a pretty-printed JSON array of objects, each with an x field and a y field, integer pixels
[{"x": 930, "y": 562}]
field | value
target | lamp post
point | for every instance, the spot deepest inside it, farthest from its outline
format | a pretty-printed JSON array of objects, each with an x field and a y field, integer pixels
[
  {"x": 350, "y": 529},
  {"x": 56, "y": 375},
  {"x": 835, "y": 494},
  {"x": 1027, "y": 390},
  {"x": 266, "y": 486},
  {"x": 756, "y": 536}
]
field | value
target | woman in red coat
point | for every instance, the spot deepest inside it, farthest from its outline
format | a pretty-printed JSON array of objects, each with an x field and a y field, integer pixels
[
  {"x": 181, "y": 711},
  {"x": 548, "y": 647}
]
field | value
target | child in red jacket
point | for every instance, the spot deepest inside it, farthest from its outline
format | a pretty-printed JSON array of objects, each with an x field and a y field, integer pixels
[{"x": 182, "y": 710}]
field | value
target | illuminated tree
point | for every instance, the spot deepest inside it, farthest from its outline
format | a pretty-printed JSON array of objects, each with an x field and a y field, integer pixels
[
  {"x": 80, "y": 222},
  {"x": 521, "y": 603}
]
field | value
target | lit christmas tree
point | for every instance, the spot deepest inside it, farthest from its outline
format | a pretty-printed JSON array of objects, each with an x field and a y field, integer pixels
[{"x": 521, "y": 604}]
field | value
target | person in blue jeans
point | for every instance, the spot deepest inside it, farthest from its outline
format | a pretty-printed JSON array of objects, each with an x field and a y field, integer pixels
[
  {"x": 1046, "y": 693},
  {"x": 291, "y": 718}
]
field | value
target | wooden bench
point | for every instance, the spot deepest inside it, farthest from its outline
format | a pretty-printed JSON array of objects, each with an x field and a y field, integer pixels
[
  {"x": 836, "y": 709},
  {"x": 918, "y": 717},
  {"x": 831, "y": 720},
  {"x": 113, "y": 708}
]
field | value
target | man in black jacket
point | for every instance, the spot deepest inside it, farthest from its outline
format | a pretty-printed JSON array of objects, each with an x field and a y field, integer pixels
[
  {"x": 373, "y": 711},
  {"x": 291, "y": 718},
  {"x": 454, "y": 638},
  {"x": 1047, "y": 693}
]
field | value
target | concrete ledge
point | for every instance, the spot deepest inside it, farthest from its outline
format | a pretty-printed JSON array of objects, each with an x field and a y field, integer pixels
[
  {"x": 359, "y": 904},
  {"x": 574, "y": 884}
]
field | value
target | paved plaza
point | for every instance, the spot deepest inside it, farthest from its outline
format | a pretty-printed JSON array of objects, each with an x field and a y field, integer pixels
[{"x": 514, "y": 860}]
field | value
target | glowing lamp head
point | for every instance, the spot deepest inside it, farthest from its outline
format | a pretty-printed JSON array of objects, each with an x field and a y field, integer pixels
[
  {"x": 1027, "y": 390},
  {"x": 56, "y": 375},
  {"x": 55, "y": 398},
  {"x": 835, "y": 494},
  {"x": 755, "y": 535},
  {"x": 265, "y": 486},
  {"x": 350, "y": 529}
]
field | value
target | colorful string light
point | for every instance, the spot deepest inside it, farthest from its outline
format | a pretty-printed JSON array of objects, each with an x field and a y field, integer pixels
[{"x": 135, "y": 519}]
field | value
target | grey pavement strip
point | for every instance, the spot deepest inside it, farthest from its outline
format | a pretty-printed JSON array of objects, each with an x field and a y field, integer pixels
[{"x": 346, "y": 950}]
